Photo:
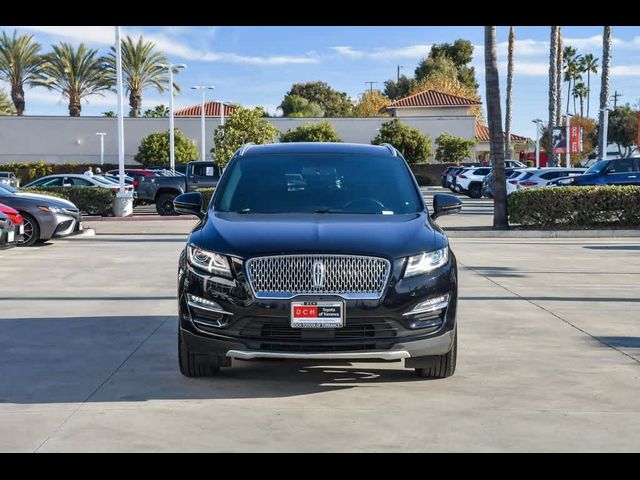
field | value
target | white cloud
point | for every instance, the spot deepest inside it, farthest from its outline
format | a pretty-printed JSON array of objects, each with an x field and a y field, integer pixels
[
  {"x": 411, "y": 51},
  {"x": 625, "y": 71}
]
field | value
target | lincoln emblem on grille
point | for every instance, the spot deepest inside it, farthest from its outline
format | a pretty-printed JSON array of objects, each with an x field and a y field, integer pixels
[{"x": 318, "y": 274}]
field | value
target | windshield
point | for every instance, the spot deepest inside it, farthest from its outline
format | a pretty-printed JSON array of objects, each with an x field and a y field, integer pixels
[
  {"x": 7, "y": 188},
  {"x": 318, "y": 183},
  {"x": 597, "y": 167}
]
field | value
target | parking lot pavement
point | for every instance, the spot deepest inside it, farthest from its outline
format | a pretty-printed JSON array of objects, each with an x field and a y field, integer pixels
[{"x": 549, "y": 360}]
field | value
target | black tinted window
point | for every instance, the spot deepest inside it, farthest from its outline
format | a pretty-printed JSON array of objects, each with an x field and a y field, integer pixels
[
  {"x": 308, "y": 183},
  {"x": 205, "y": 170},
  {"x": 482, "y": 171},
  {"x": 621, "y": 166}
]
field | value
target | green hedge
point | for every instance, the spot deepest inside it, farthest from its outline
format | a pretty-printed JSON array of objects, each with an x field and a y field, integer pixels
[
  {"x": 27, "y": 171},
  {"x": 90, "y": 200},
  {"x": 576, "y": 207},
  {"x": 207, "y": 193}
]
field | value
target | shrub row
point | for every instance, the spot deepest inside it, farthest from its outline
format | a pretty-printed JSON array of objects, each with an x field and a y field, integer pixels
[
  {"x": 27, "y": 171},
  {"x": 576, "y": 207},
  {"x": 90, "y": 201},
  {"x": 207, "y": 193}
]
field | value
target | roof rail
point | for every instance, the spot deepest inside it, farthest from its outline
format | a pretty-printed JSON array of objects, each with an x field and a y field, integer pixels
[
  {"x": 243, "y": 149},
  {"x": 391, "y": 148}
]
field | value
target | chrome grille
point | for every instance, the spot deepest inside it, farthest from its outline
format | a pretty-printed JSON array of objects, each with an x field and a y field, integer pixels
[{"x": 348, "y": 276}]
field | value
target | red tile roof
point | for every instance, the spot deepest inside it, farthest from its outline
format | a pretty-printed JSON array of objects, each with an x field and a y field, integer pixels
[
  {"x": 482, "y": 134},
  {"x": 433, "y": 98},
  {"x": 211, "y": 109}
]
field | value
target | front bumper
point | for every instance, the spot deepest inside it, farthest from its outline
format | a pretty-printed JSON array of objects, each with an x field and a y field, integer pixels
[
  {"x": 242, "y": 327},
  {"x": 60, "y": 224}
]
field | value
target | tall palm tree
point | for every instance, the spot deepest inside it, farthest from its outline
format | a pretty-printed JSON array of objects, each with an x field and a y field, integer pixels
[
  {"x": 6, "y": 107},
  {"x": 75, "y": 73},
  {"x": 559, "y": 60},
  {"x": 580, "y": 91},
  {"x": 570, "y": 68},
  {"x": 507, "y": 119},
  {"x": 553, "y": 90},
  {"x": 496, "y": 136},
  {"x": 604, "y": 87},
  {"x": 589, "y": 65},
  {"x": 140, "y": 70},
  {"x": 20, "y": 63}
]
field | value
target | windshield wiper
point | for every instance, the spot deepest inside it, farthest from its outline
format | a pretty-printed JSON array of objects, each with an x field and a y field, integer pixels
[{"x": 327, "y": 210}]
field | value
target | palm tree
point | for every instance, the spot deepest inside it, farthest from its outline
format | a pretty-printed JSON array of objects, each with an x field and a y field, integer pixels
[
  {"x": 140, "y": 70},
  {"x": 496, "y": 137},
  {"x": 589, "y": 65},
  {"x": 553, "y": 90},
  {"x": 20, "y": 63},
  {"x": 507, "y": 119},
  {"x": 76, "y": 74},
  {"x": 6, "y": 107},
  {"x": 570, "y": 69},
  {"x": 604, "y": 87},
  {"x": 580, "y": 91},
  {"x": 559, "y": 60}
]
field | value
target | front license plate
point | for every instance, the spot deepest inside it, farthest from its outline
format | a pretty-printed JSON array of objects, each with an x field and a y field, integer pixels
[
  {"x": 10, "y": 237},
  {"x": 317, "y": 314}
]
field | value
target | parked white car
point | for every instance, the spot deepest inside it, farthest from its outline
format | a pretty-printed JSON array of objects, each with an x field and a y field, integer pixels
[
  {"x": 541, "y": 177},
  {"x": 469, "y": 181},
  {"x": 512, "y": 180}
]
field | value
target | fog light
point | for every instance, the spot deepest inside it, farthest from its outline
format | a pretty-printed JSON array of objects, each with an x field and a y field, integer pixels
[
  {"x": 204, "y": 304},
  {"x": 430, "y": 305}
]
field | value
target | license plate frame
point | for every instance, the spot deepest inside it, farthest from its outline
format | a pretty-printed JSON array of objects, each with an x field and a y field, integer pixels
[{"x": 317, "y": 314}]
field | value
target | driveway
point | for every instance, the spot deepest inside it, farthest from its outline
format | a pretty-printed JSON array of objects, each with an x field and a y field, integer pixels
[{"x": 549, "y": 359}]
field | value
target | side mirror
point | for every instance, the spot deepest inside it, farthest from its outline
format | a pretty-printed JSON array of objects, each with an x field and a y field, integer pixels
[
  {"x": 445, "y": 204},
  {"x": 189, "y": 204}
]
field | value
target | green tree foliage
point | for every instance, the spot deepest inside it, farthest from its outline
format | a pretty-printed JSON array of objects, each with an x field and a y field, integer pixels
[
  {"x": 243, "y": 126},
  {"x": 623, "y": 129},
  {"x": 334, "y": 103},
  {"x": 297, "y": 106},
  {"x": 109, "y": 114},
  {"x": 411, "y": 142},
  {"x": 154, "y": 149},
  {"x": 460, "y": 53},
  {"x": 370, "y": 104},
  {"x": 76, "y": 73},
  {"x": 159, "y": 111},
  {"x": 140, "y": 70},
  {"x": 452, "y": 148},
  {"x": 402, "y": 88},
  {"x": 20, "y": 65},
  {"x": 311, "y": 132},
  {"x": 6, "y": 107}
]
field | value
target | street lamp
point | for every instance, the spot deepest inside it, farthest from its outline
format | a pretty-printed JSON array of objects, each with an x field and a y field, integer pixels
[
  {"x": 202, "y": 129},
  {"x": 568, "y": 139},
  {"x": 605, "y": 131},
  {"x": 222, "y": 104},
  {"x": 538, "y": 123},
  {"x": 171, "y": 67},
  {"x": 101, "y": 134}
]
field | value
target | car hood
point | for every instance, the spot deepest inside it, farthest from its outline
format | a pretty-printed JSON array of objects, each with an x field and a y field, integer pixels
[
  {"x": 47, "y": 200},
  {"x": 246, "y": 236}
]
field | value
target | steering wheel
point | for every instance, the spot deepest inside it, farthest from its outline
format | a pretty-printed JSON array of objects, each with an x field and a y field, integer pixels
[{"x": 366, "y": 202}]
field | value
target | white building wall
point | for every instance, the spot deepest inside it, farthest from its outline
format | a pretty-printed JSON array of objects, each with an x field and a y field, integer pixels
[{"x": 69, "y": 139}]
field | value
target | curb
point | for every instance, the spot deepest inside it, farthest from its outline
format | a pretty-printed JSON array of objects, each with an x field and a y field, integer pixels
[
  {"x": 543, "y": 233},
  {"x": 138, "y": 218},
  {"x": 87, "y": 232}
]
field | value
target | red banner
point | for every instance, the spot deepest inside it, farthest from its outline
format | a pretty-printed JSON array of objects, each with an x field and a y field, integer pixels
[{"x": 575, "y": 139}]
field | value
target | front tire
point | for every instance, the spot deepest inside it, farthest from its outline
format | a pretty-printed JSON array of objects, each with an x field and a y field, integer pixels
[
  {"x": 475, "y": 191},
  {"x": 164, "y": 204},
  {"x": 195, "y": 365},
  {"x": 440, "y": 366},
  {"x": 31, "y": 230}
]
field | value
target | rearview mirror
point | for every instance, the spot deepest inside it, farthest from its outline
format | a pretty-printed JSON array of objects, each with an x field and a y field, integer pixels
[
  {"x": 189, "y": 204},
  {"x": 445, "y": 204}
]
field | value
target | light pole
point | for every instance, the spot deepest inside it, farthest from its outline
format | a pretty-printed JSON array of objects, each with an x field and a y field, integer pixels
[
  {"x": 171, "y": 67},
  {"x": 102, "y": 134},
  {"x": 222, "y": 104},
  {"x": 538, "y": 122},
  {"x": 202, "y": 129},
  {"x": 568, "y": 140},
  {"x": 605, "y": 132}
]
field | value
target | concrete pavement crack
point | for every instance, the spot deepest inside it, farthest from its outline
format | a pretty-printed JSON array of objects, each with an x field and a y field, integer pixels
[
  {"x": 564, "y": 320},
  {"x": 66, "y": 420}
]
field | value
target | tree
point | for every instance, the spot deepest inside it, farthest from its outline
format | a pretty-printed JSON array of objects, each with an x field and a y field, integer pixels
[
  {"x": 20, "y": 63},
  {"x": 394, "y": 90},
  {"x": 110, "y": 114},
  {"x": 6, "y": 107},
  {"x": 297, "y": 106},
  {"x": 75, "y": 73},
  {"x": 334, "y": 103},
  {"x": 460, "y": 53},
  {"x": 604, "y": 88},
  {"x": 623, "y": 129},
  {"x": 580, "y": 92},
  {"x": 553, "y": 91},
  {"x": 140, "y": 70},
  {"x": 414, "y": 146},
  {"x": 496, "y": 136},
  {"x": 159, "y": 111},
  {"x": 560, "y": 62},
  {"x": 243, "y": 126},
  {"x": 571, "y": 70},
  {"x": 370, "y": 104},
  {"x": 311, "y": 132},
  {"x": 589, "y": 65},
  {"x": 507, "y": 119},
  {"x": 154, "y": 149},
  {"x": 452, "y": 148},
  {"x": 589, "y": 137}
]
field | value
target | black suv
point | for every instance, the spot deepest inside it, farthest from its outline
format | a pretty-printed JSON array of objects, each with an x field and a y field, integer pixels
[{"x": 321, "y": 251}]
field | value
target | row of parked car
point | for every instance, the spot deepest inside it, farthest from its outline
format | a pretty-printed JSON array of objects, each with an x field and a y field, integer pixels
[{"x": 477, "y": 181}]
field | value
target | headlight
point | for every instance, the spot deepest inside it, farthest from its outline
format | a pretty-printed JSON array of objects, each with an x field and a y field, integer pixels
[
  {"x": 426, "y": 262},
  {"x": 209, "y": 261},
  {"x": 50, "y": 209}
]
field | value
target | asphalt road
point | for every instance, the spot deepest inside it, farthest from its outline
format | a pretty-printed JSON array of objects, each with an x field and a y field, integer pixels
[{"x": 549, "y": 360}]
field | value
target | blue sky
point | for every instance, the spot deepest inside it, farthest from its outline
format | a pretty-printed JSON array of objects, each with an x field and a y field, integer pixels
[{"x": 257, "y": 65}]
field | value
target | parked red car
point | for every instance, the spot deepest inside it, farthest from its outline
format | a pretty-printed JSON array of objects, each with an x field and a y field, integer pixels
[{"x": 16, "y": 219}]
